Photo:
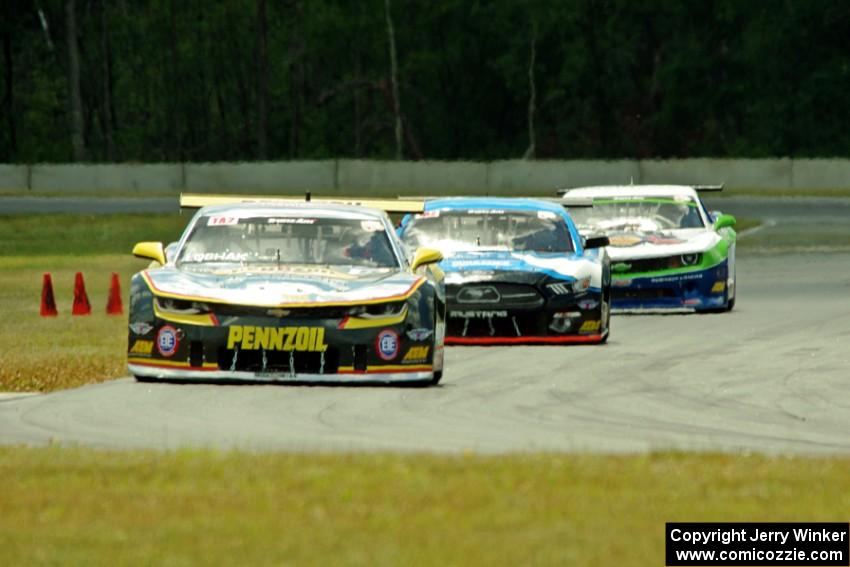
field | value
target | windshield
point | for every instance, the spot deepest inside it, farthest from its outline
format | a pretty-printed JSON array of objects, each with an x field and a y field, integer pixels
[
  {"x": 638, "y": 214},
  {"x": 224, "y": 239},
  {"x": 469, "y": 229}
]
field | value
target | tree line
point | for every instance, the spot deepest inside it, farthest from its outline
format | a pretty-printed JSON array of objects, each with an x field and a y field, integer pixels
[{"x": 201, "y": 80}]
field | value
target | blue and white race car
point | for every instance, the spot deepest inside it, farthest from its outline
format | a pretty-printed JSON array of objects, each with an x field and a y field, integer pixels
[{"x": 516, "y": 271}]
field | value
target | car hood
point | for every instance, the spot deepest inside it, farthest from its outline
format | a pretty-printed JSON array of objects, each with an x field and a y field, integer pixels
[
  {"x": 287, "y": 286},
  {"x": 460, "y": 265},
  {"x": 636, "y": 245}
]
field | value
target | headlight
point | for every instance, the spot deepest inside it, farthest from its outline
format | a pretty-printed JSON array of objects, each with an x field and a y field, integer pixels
[
  {"x": 581, "y": 285},
  {"x": 377, "y": 310},
  {"x": 180, "y": 306}
]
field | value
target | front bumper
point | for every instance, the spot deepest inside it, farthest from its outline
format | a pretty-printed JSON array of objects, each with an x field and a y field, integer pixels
[
  {"x": 275, "y": 350},
  {"x": 384, "y": 375},
  {"x": 564, "y": 318},
  {"x": 676, "y": 292}
]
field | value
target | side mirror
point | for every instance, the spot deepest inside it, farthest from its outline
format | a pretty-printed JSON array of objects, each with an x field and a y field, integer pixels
[
  {"x": 150, "y": 251},
  {"x": 597, "y": 242},
  {"x": 724, "y": 221},
  {"x": 425, "y": 256}
]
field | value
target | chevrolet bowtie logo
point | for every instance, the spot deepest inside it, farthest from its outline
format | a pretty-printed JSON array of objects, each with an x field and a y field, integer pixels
[{"x": 621, "y": 267}]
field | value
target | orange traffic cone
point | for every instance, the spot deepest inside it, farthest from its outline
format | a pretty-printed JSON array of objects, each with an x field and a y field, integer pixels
[
  {"x": 113, "y": 304},
  {"x": 81, "y": 300},
  {"x": 48, "y": 302}
]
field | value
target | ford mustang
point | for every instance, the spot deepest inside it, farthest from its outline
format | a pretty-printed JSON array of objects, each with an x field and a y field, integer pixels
[
  {"x": 287, "y": 291},
  {"x": 668, "y": 252},
  {"x": 517, "y": 271}
]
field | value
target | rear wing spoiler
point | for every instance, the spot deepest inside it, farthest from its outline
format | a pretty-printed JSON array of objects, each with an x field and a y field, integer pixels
[
  {"x": 708, "y": 188},
  {"x": 198, "y": 200},
  {"x": 574, "y": 202},
  {"x": 566, "y": 201},
  {"x": 698, "y": 188}
]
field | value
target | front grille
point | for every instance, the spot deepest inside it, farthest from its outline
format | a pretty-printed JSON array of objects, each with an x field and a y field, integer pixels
[
  {"x": 655, "y": 264},
  {"x": 643, "y": 265},
  {"x": 486, "y": 296},
  {"x": 293, "y": 313},
  {"x": 642, "y": 294},
  {"x": 532, "y": 324},
  {"x": 278, "y": 361}
]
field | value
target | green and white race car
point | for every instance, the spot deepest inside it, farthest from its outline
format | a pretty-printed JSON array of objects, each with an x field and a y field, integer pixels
[{"x": 668, "y": 252}]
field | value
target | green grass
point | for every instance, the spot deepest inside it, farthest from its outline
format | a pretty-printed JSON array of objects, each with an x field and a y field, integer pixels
[
  {"x": 86, "y": 507},
  {"x": 68, "y": 234},
  {"x": 50, "y": 353}
]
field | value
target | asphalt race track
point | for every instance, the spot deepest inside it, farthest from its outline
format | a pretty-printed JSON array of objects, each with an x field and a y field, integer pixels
[{"x": 772, "y": 376}]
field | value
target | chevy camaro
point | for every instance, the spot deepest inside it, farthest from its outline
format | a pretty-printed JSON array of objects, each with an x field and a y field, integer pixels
[
  {"x": 277, "y": 291},
  {"x": 668, "y": 252}
]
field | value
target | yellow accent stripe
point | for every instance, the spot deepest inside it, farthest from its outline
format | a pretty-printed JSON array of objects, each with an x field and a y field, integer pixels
[
  {"x": 198, "y": 200},
  {"x": 388, "y": 368},
  {"x": 365, "y": 323},
  {"x": 172, "y": 363},
  {"x": 200, "y": 319},
  {"x": 388, "y": 299}
]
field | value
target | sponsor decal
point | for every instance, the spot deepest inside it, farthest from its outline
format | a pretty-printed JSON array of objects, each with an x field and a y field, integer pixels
[
  {"x": 478, "y": 314},
  {"x": 718, "y": 287},
  {"x": 387, "y": 344},
  {"x": 301, "y": 339},
  {"x": 677, "y": 278},
  {"x": 654, "y": 239},
  {"x": 142, "y": 347},
  {"x": 588, "y": 304},
  {"x": 566, "y": 315},
  {"x": 217, "y": 256},
  {"x": 694, "y": 301},
  {"x": 427, "y": 215},
  {"x": 481, "y": 262},
  {"x": 546, "y": 215},
  {"x": 621, "y": 283},
  {"x": 278, "y": 312},
  {"x": 420, "y": 334},
  {"x": 372, "y": 226},
  {"x": 624, "y": 241},
  {"x": 416, "y": 354},
  {"x": 479, "y": 294},
  {"x": 167, "y": 341},
  {"x": 141, "y": 327},
  {"x": 485, "y": 211},
  {"x": 291, "y": 220},
  {"x": 220, "y": 220},
  {"x": 590, "y": 326}
]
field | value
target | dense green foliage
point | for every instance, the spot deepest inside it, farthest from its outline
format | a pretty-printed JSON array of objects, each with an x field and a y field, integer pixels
[{"x": 168, "y": 80}]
